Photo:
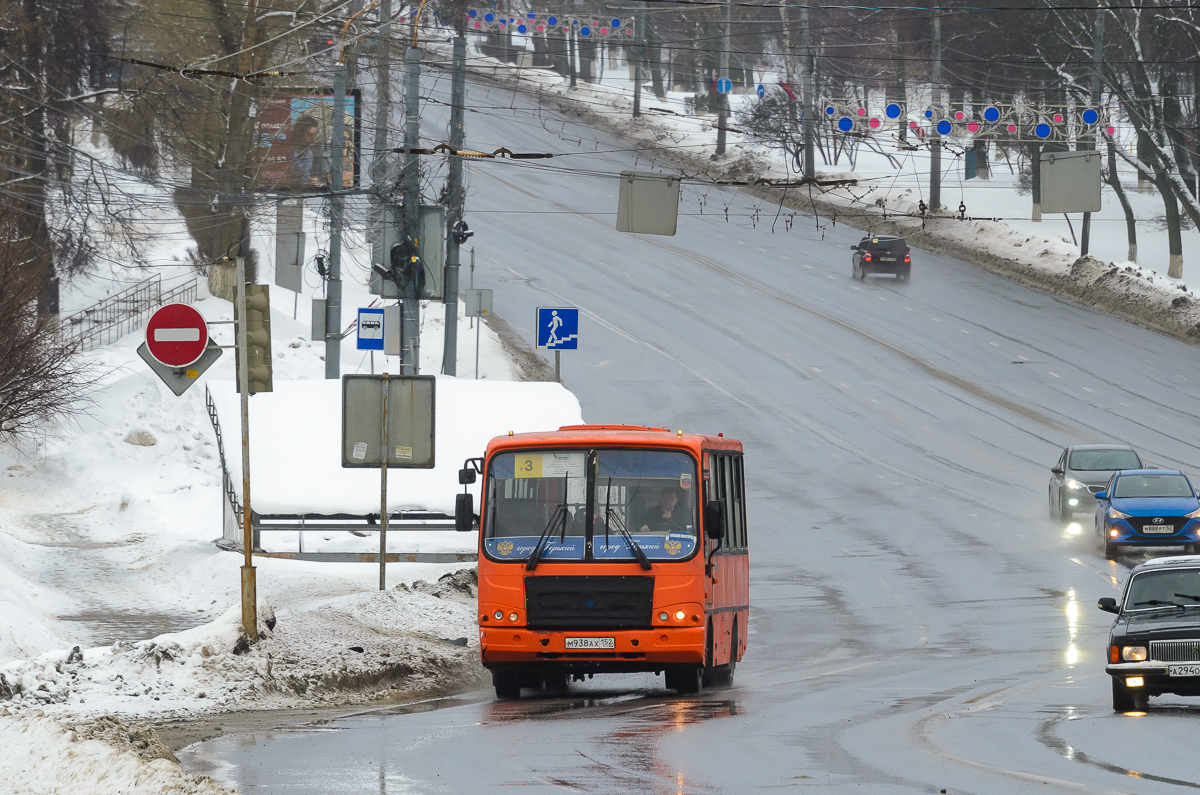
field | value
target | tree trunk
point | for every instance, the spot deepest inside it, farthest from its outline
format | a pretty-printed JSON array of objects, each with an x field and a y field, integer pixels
[
  {"x": 1114, "y": 180},
  {"x": 1035, "y": 161},
  {"x": 653, "y": 51}
]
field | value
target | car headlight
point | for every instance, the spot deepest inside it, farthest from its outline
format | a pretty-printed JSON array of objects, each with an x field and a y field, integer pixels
[
  {"x": 1133, "y": 653},
  {"x": 1113, "y": 513},
  {"x": 1075, "y": 484}
]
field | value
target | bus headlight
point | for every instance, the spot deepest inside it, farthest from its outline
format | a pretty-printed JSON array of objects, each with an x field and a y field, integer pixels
[
  {"x": 512, "y": 616},
  {"x": 499, "y": 615},
  {"x": 663, "y": 616},
  {"x": 680, "y": 615},
  {"x": 1133, "y": 653}
]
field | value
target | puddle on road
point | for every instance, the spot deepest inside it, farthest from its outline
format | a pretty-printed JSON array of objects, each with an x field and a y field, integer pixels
[{"x": 106, "y": 627}]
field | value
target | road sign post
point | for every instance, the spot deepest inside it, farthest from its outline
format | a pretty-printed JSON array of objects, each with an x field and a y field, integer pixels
[
  {"x": 249, "y": 583},
  {"x": 399, "y": 411},
  {"x": 478, "y": 304},
  {"x": 558, "y": 330}
]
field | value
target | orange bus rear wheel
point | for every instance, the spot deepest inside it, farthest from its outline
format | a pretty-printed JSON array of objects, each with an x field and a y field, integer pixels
[
  {"x": 507, "y": 684},
  {"x": 685, "y": 680}
]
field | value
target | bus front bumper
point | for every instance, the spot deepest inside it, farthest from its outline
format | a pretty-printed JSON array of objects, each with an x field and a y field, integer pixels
[{"x": 633, "y": 650}]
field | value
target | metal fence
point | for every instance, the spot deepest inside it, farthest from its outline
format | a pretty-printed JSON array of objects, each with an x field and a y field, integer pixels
[
  {"x": 359, "y": 525},
  {"x": 126, "y": 311}
]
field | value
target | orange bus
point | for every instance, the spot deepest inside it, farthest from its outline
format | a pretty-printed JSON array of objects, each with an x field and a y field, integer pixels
[{"x": 610, "y": 548}]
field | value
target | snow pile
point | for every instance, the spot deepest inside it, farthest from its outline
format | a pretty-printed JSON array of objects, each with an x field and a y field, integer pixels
[
  {"x": 41, "y": 755},
  {"x": 348, "y": 648}
]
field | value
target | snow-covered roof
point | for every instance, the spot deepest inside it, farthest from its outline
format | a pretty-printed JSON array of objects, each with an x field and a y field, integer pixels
[{"x": 295, "y": 442}]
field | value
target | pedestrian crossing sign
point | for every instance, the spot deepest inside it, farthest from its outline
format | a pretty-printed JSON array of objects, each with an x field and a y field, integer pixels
[{"x": 558, "y": 328}]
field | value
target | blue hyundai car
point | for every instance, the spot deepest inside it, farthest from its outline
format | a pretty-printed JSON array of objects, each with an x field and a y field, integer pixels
[{"x": 1148, "y": 507}]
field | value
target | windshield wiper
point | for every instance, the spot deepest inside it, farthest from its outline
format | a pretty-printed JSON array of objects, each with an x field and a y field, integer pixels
[
  {"x": 1159, "y": 603},
  {"x": 559, "y": 510},
  {"x": 1188, "y": 596},
  {"x": 633, "y": 545}
]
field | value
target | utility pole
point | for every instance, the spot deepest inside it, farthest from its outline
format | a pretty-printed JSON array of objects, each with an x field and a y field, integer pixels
[
  {"x": 333, "y": 287},
  {"x": 342, "y": 76},
  {"x": 1091, "y": 140},
  {"x": 808, "y": 109},
  {"x": 249, "y": 583},
  {"x": 383, "y": 111},
  {"x": 639, "y": 23},
  {"x": 935, "y": 137},
  {"x": 723, "y": 102},
  {"x": 410, "y": 343},
  {"x": 454, "y": 202}
]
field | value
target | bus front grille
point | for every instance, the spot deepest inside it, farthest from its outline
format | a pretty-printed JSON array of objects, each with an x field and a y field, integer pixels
[{"x": 589, "y": 603}]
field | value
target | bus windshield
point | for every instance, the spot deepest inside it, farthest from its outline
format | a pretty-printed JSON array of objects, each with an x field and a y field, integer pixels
[{"x": 591, "y": 505}]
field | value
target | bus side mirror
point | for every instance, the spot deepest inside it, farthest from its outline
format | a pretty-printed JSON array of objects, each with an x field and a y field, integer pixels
[
  {"x": 714, "y": 519},
  {"x": 1108, "y": 604},
  {"x": 464, "y": 512},
  {"x": 466, "y": 476}
]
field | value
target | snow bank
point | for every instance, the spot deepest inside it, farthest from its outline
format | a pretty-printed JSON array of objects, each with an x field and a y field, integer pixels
[
  {"x": 41, "y": 755},
  {"x": 296, "y": 437}
]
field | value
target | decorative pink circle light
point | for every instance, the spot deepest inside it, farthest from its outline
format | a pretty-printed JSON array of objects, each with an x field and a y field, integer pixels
[
  {"x": 912, "y": 124},
  {"x": 541, "y": 28},
  {"x": 1058, "y": 118},
  {"x": 1012, "y": 128},
  {"x": 958, "y": 115},
  {"x": 629, "y": 31},
  {"x": 476, "y": 25},
  {"x": 603, "y": 31},
  {"x": 862, "y": 111},
  {"x": 973, "y": 126},
  {"x": 1110, "y": 130},
  {"x": 873, "y": 124}
]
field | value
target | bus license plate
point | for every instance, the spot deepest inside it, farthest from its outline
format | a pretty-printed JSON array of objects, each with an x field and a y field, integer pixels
[
  {"x": 1163, "y": 529},
  {"x": 1183, "y": 670},
  {"x": 591, "y": 643}
]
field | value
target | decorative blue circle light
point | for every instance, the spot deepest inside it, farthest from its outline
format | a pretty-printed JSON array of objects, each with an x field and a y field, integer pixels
[
  {"x": 552, "y": 21},
  {"x": 531, "y": 14},
  {"x": 829, "y": 110},
  {"x": 489, "y": 17},
  {"x": 1042, "y": 130},
  {"x": 472, "y": 13},
  {"x": 1090, "y": 116},
  {"x": 616, "y": 23},
  {"x": 991, "y": 114},
  {"x": 521, "y": 28},
  {"x": 943, "y": 127},
  {"x": 892, "y": 111},
  {"x": 845, "y": 124},
  {"x": 929, "y": 114},
  {"x": 585, "y": 31}
]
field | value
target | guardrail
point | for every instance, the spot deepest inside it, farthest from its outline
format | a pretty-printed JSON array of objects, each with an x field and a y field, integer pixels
[
  {"x": 356, "y": 524},
  {"x": 126, "y": 311}
]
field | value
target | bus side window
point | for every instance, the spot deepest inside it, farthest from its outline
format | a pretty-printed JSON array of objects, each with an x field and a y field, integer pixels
[
  {"x": 737, "y": 486},
  {"x": 720, "y": 491},
  {"x": 727, "y": 494}
]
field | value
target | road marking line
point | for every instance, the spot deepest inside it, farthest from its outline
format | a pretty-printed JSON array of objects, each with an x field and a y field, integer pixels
[{"x": 1056, "y": 375}]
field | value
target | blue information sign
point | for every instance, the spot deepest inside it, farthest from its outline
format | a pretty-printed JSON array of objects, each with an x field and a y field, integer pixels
[
  {"x": 761, "y": 91},
  {"x": 558, "y": 328},
  {"x": 724, "y": 85},
  {"x": 370, "y": 329}
]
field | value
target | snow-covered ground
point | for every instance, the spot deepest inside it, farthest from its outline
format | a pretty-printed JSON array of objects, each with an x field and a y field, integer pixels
[{"x": 115, "y": 601}]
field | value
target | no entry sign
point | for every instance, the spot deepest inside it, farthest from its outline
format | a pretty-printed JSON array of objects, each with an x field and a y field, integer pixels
[{"x": 176, "y": 335}]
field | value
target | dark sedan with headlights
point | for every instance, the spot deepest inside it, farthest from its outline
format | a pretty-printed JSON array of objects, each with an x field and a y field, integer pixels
[
  {"x": 1081, "y": 471},
  {"x": 1148, "y": 507},
  {"x": 1154, "y": 645}
]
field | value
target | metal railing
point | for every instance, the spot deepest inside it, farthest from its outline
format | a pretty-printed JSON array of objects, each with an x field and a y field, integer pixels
[
  {"x": 356, "y": 524},
  {"x": 126, "y": 311}
]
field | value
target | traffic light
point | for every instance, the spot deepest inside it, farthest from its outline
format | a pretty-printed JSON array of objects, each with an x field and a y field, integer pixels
[
  {"x": 460, "y": 232},
  {"x": 258, "y": 338},
  {"x": 405, "y": 269}
]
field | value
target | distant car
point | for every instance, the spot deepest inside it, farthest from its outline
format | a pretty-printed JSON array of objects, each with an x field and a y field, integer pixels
[
  {"x": 1148, "y": 507},
  {"x": 1154, "y": 645},
  {"x": 1081, "y": 471},
  {"x": 881, "y": 254}
]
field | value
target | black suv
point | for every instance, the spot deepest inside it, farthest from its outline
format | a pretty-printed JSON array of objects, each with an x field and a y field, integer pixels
[
  {"x": 881, "y": 254},
  {"x": 1154, "y": 645}
]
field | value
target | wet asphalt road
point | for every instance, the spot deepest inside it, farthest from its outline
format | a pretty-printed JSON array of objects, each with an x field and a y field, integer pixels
[{"x": 918, "y": 624}]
